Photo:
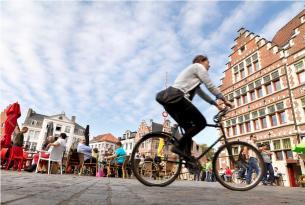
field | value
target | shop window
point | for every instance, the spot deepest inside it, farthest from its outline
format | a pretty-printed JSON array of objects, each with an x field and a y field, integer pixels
[
  {"x": 288, "y": 154},
  {"x": 279, "y": 155}
]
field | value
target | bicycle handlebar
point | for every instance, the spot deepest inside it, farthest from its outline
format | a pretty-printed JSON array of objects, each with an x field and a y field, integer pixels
[{"x": 217, "y": 118}]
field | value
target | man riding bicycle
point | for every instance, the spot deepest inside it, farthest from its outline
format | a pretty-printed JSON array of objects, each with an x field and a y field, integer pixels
[{"x": 177, "y": 101}]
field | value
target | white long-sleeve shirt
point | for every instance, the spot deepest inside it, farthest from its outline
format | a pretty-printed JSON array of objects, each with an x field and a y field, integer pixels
[{"x": 192, "y": 77}]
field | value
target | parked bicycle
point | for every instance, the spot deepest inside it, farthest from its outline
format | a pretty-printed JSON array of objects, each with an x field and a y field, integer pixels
[{"x": 166, "y": 170}]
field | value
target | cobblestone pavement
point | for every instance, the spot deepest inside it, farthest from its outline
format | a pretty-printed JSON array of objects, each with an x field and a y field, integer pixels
[{"x": 30, "y": 188}]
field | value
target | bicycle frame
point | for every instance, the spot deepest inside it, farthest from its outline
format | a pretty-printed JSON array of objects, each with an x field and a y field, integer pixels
[{"x": 218, "y": 125}]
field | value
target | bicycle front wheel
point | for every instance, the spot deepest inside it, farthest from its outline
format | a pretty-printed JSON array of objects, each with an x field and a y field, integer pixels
[
  {"x": 238, "y": 166},
  {"x": 152, "y": 161}
]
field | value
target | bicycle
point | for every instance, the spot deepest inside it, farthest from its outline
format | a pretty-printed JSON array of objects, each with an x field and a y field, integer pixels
[{"x": 167, "y": 169}]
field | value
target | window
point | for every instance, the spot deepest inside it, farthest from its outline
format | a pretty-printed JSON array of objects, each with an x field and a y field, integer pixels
[
  {"x": 288, "y": 154},
  {"x": 241, "y": 129},
  {"x": 271, "y": 109},
  {"x": 256, "y": 124},
  {"x": 34, "y": 122},
  {"x": 236, "y": 77},
  {"x": 250, "y": 69},
  {"x": 252, "y": 95},
  {"x": 282, "y": 117},
  {"x": 36, "y": 134},
  {"x": 259, "y": 92},
  {"x": 277, "y": 144},
  {"x": 242, "y": 49},
  {"x": 273, "y": 120},
  {"x": 299, "y": 66},
  {"x": 242, "y": 74},
  {"x": 280, "y": 106},
  {"x": 228, "y": 131},
  {"x": 286, "y": 143},
  {"x": 279, "y": 155},
  {"x": 254, "y": 57},
  {"x": 234, "y": 130},
  {"x": 268, "y": 88},
  {"x": 58, "y": 128},
  {"x": 68, "y": 128},
  {"x": 303, "y": 104},
  {"x": 256, "y": 65},
  {"x": 245, "y": 99},
  {"x": 277, "y": 85},
  {"x": 31, "y": 133},
  {"x": 248, "y": 127},
  {"x": 301, "y": 77},
  {"x": 264, "y": 122},
  {"x": 238, "y": 101}
]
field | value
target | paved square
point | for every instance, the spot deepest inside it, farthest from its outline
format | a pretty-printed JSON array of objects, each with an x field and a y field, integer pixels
[{"x": 31, "y": 189}]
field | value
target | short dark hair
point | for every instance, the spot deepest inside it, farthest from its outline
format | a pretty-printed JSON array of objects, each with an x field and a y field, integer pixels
[
  {"x": 119, "y": 144},
  {"x": 199, "y": 59},
  {"x": 63, "y": 135},
  {"x": 251, "y": 136}
]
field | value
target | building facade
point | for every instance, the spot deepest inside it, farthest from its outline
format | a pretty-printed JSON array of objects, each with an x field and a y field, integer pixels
[
  {"x": 103, "y": 143},
  {"x": 128, "y": 141},
  {"x": 37, "y": 124},
  {"x": 266, "y": 82},
  {"x": 2, "y": 121}
]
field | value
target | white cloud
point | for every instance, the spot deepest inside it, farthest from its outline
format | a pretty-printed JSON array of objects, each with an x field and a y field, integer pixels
[{"x": 105, "y": 61}]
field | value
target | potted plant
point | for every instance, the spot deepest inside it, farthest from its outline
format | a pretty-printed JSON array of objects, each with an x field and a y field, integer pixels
[{"x": 301, "y": 180}]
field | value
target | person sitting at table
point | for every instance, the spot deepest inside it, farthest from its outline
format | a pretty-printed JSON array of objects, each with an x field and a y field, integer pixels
[
  {"x": 119, "y": 156},
  {"x": 86, "y": 150},
  {"x": 43, "y": 153}
]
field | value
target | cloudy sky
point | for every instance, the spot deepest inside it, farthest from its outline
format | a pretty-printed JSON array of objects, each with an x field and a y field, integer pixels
[{"x": 105, "y": 61}]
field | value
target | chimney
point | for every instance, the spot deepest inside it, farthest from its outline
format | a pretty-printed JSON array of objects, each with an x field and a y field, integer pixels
[
  {"x": 73, "y": 119},
  {"x": 30, "y": 112}
]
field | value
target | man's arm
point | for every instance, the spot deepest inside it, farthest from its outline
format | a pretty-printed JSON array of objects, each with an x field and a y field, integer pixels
[
  {"x": 205, "y": 97},
  {"x": 204, "y": 77}
]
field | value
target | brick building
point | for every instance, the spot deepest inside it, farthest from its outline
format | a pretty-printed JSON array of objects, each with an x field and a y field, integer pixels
[
  {"x": 266, "y": 81},
  {"x": 2, "y": 120}
]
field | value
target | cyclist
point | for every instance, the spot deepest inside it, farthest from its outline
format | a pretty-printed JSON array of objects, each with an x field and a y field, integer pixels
[{"x": 176, "y": 100}]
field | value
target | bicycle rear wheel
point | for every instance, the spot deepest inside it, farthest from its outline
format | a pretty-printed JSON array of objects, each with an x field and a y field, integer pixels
[
  {"x": 160, "y": 167},
  {"x": 238, "y": 166}
]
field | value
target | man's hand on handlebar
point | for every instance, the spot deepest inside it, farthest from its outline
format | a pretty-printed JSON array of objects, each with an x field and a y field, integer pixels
[
  {"x": 229, "y": 104},
  {"x": 220, "y": 104}
]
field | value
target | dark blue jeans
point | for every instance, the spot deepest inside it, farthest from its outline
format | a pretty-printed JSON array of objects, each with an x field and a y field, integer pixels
[
  {"x": 252, "y": 166},
  {"x": 269, "y": 170}
]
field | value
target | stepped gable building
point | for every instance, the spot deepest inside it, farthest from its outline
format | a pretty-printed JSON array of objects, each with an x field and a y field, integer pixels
[{"x": 266, "y": 82}]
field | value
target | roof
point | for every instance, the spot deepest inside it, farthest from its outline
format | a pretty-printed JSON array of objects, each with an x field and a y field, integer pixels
[
  {"x": 283, "y": 35},
  {"x": 105, "y": 138},
  {"x": 156, "y": 127}
]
